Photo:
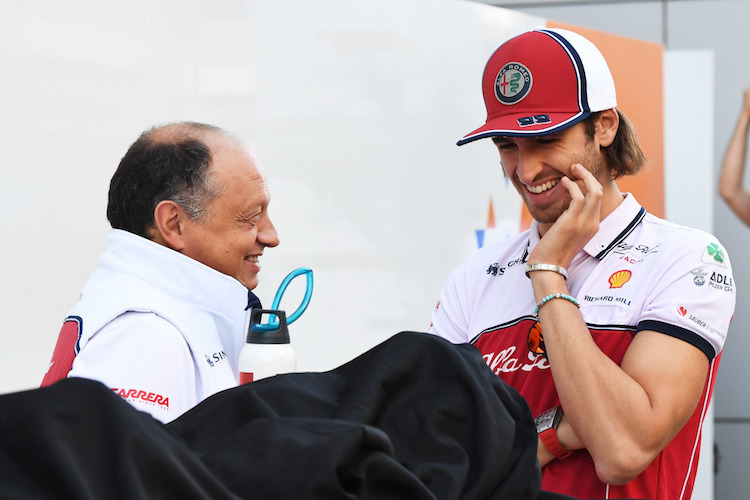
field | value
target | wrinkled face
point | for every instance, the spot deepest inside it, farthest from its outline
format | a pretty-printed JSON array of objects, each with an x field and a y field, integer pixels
[
  {"x": 237, "y": 230},
  {"x": 535, "y": 165}
]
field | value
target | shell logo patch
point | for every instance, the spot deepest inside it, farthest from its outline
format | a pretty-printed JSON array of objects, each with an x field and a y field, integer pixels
[
  {"x": 513, "y": 83},
  {"x": 619, "y": 278}
]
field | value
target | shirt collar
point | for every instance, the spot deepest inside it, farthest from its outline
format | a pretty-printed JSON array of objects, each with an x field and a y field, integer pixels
[{"x": 174, "y": 273}]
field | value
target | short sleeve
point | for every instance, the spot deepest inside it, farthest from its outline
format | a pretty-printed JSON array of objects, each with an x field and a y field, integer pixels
[
  {"x": 450, "y": 319},
  {"x": 695, "y": 296}
]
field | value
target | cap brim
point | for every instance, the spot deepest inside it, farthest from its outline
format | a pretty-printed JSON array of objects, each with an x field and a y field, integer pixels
[{"x": 508, "y": 126}]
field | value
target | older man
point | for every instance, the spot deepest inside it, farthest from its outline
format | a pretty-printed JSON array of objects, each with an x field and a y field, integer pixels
[
  {"x": 164, "y": 317},
  {"x": 613, "y": 326}
]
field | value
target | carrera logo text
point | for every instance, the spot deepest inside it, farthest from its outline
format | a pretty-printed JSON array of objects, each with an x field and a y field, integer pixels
[{"x": 138, "y": 395}]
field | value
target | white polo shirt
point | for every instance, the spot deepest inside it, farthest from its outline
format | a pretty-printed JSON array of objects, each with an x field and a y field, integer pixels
[{"x": 638, "y": 272}]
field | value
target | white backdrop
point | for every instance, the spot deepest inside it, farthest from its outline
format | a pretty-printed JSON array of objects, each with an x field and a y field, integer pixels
[{"x": 354, "y": 109}]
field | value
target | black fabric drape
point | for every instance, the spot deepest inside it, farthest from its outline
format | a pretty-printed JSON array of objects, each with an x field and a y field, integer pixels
[
  {"x": 413, "y": 418},
  {"x": 76, "y": 439}
]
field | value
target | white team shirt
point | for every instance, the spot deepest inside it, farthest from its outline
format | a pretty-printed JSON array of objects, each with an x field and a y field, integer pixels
[
  {"x": 638, "y": 272},
  {"x": 160, "y": 329}
]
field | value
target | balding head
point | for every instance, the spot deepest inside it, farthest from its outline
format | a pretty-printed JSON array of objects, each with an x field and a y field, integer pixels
[
  {"x": 167, "y": 162},
  {"x": 177, "y": 132}
]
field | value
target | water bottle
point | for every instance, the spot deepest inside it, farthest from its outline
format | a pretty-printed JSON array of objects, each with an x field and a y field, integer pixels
[{"x": 267, "y": 352}]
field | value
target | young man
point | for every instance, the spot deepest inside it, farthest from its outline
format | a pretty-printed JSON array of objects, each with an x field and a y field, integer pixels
[
  {"x": 608, "y": 320},
  {"x": 163, "y": 319}
]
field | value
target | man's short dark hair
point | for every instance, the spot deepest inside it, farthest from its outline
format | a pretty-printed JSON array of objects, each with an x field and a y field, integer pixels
[{"x": 170, "y": 162}]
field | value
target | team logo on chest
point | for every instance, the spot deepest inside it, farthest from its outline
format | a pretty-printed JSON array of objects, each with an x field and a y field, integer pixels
[
  {"x": 616, "y": 280},
  {"x": 535, "y": 340},
  {"x": 510, "y": 348},
  {"x": 619, "y": 278}
]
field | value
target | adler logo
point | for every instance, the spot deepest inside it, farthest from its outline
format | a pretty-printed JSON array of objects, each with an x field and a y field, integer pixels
[
  {"x": 721, "y": 282},
  {"x": 699, "y": 277}
]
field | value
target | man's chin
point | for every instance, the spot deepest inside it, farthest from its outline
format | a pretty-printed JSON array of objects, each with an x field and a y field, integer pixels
[
  {"x": 249, "y": 282},
  {"x": 545, "y": 216},
  {"x": 548, "y": 214}
]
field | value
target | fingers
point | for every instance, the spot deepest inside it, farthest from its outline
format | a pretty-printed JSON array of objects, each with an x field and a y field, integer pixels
[
  {"x": 591, "y": 185},
  {"x": 585, "y": 204},
  {"x": 577, "y": 224}
]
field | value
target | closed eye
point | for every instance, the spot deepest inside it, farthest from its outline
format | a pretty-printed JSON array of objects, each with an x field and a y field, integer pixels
[
  {"x": 503, "y": 144},
  {"x": 249, "y": 219},
  {"x": 548, "y": 139}
]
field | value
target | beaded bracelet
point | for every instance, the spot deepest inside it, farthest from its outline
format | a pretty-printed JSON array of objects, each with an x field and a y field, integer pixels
[
  {"x": 547, "y": 267},
  {"x": 555, "y": 296}
]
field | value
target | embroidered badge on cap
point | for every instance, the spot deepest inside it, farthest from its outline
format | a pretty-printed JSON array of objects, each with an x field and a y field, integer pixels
[{"x": 513, "y": 83}]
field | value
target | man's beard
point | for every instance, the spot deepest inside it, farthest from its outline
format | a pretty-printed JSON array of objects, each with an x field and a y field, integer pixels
[{"x": 592, "y": 160}]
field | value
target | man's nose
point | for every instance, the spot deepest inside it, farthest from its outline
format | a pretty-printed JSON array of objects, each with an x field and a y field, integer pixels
[
  {"x": 530, "y": 164},
  {"x": 267, "y": 234}
]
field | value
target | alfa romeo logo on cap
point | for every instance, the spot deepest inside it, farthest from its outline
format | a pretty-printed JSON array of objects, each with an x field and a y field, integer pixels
[{"x": 513, "y": 83}]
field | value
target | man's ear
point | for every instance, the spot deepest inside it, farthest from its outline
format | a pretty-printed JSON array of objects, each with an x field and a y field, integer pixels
[
  {"x": 168, "y": 229},
  {"x": 607, "y": 124}
]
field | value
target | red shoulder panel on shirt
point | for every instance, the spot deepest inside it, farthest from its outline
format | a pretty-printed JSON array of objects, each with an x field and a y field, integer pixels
[{"x": 65, "y": 351}]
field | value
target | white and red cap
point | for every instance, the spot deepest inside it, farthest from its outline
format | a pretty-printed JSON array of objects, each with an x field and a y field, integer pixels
[{"x": 543, "y": 81}]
